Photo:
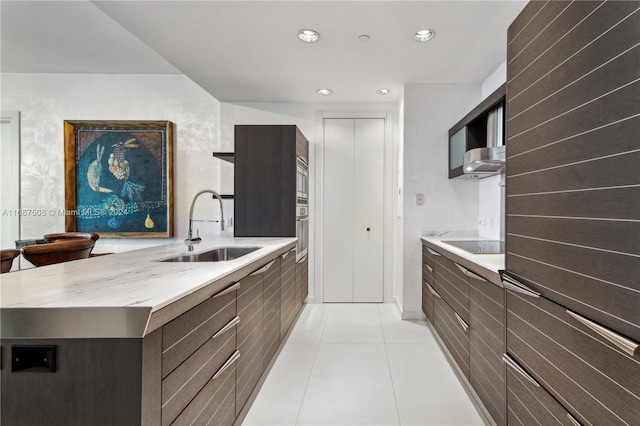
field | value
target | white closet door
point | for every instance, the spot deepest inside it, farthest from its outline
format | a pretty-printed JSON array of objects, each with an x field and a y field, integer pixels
[
  {"x": 353, "y": 201},
  {"x": 368, "y": 229},
  {"x": 338, "y": 210}
]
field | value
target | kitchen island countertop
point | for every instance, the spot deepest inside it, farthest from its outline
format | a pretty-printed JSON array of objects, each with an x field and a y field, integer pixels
[{"x": 117, "y": 295}]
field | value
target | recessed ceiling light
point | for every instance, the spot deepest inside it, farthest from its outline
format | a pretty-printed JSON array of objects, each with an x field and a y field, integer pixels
[
  {"x": 384, "y": 92},
  {"x": 424, "y": 35},
  {"x": 308, "y": 36},
  {"x": 324, "y": 92},
  {"x": 364, "y": 37}
]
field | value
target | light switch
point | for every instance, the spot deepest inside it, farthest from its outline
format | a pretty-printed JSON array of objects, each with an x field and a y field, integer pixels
[{"x": 419, "y": 199}]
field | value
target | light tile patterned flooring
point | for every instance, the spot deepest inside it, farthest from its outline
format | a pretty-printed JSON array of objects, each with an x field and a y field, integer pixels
[{"x": 360, "y": 364}]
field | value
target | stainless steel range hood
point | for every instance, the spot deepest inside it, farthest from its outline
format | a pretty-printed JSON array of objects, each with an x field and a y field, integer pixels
[{"x": 492, "y": 159}]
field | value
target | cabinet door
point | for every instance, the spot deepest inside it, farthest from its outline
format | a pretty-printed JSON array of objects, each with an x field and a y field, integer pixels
[
  {"x": 529, "y": 403},
  {"x": 589, "y": 375},
  {"x": 272, "y": 311},
  {"x": 427, "y": 286},
  {"x": 453, "y": 285},
  {"x": 573, "y": 209},
  {"x": 487, "y": 369},
  {"x": 302, "y": 281},
  {"x": 288, "y": 309},
  {"x": 250, "y": 335},
  {"x": 454, "y": 332}
]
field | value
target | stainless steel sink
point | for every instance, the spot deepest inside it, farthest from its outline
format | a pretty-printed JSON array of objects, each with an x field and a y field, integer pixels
[{"x": 219, "y": 254}]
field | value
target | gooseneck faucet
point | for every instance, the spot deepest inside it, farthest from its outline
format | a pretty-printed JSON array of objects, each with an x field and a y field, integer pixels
[{"x": 190, "y": 241}]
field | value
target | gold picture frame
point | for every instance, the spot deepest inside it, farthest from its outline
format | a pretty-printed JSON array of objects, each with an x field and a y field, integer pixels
[{"x": 119, "y": 178}]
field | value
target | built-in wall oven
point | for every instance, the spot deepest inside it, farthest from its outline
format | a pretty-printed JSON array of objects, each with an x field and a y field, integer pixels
[{"x": 302, "y": 208}]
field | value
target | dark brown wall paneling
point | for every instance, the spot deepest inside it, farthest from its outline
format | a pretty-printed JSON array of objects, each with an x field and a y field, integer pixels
[{"x": 596, "y": 381}]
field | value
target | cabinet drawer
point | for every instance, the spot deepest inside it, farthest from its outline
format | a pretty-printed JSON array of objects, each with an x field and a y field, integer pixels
[
  {"x": 271, "y": 322},
  {"x": 250, "y": 335},
  {"x": 530, "y": 404},
  {"x": 453, "y": 333},
  {"x": 427, "y": 301},
  {"x": 288, "y": 300},
  {"x": 216, "y": 402},
  {"x": 302, "y": 281},
  {"x": 598, "y": 382},
  {"x": 182, "y": 336},
  {"x": 184, "y": 383},
  {"x": 453, "y": 285},
  {"x": 427, "y": 257},
  {"x": 486, "y": 347},
  {"x": 427, "y": 273}
]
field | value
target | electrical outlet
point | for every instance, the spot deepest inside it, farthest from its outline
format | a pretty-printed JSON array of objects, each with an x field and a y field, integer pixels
[{"x": 419, "y": 199}]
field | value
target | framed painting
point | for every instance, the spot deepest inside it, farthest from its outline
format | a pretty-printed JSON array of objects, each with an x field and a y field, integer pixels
[{"x": 119, "y": 178}]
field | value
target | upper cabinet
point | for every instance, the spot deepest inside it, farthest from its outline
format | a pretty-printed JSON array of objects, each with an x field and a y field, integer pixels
[{"x": 476, "y": 143}]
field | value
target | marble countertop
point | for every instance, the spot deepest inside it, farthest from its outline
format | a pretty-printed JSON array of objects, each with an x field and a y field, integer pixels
[
  {"x": 117, "y": 287},
  {"x": 490, "y": 264}
]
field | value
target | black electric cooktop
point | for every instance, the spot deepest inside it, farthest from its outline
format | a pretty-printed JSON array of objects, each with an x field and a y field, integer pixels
[{"x": 480, "y": 247}]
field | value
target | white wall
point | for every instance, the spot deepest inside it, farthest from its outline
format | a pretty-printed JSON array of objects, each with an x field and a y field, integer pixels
[
  {"x": 450, "y": 204},
  {"x": 46, "y": 100}
]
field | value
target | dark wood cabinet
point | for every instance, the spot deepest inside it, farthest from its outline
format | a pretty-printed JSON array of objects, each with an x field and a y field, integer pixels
[
  {"x": 288, "y": 300},
  {"x": 597, "y": 381},
  {"x": 487, "y": 371},
  {"x": 265, "y": 179},
  {"x": 529, "y": 403},
  {"x": 272, "y": 311},
  {"x": 454, "y": 332},
  {"x": 302, "y": 282},
  {"x": 427, "y": 283},
  {"x": 452, "y": 284},
  {"x": 573, "y": 205}
]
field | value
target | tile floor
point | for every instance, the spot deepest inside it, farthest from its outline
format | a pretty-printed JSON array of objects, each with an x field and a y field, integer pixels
[{"x": 360, "y": 364}]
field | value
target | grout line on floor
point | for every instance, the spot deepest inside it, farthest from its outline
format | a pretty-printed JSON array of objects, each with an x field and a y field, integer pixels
[
  {"x": 313, "y": 364},
  {"x": 386, "y": 352}
]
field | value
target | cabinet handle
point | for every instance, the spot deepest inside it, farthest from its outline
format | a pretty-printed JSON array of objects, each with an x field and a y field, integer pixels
[
  {"x": 513, "y": 285},
  {"x": 284, "y": 256},
  {"x": 435, "y": 253},
  {"x": 625, "y": 344},
  {"x": 469, "y": 273},
  {"x": 511, "y": 363},
  {"x": 302, "y": 259},
  {"x": 263, "y": 269},
  {"x": 435, "y": 293},
  {"x": 573, "y": 420},
  {"x": 227, "y": 364},
  {"x": 229, "y": 289},
  {"x": 462, "y": 322},
  {"x": 230, "y": 324},
  {"x": 429, "y": 268}
]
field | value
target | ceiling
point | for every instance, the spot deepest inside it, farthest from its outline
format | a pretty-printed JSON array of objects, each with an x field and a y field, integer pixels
[{"x": 248, "y": 51}]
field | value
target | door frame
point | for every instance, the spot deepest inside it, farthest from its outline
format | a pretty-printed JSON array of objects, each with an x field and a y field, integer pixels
[
  {"x": 318, "y": 198},
  {"x": 11, "y": 172}
]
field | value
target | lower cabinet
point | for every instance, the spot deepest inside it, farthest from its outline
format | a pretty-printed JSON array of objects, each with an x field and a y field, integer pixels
[
  {"x": 302, "y": 281},
  {"x": 288, "y": 299},
  {"x": 529, "y": 403},
  {"x": 595, "y": 380},
  {"x": 486, "y": 346},
  {"x": 454, "y": 332}
]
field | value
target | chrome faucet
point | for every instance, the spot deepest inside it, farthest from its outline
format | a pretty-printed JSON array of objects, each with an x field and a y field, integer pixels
[{"x": 190, "y": 241}]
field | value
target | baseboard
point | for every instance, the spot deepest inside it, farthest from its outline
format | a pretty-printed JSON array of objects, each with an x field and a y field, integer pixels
[
  {"x": 311, "y": 299},
  {"x": 408, "y": 315}
]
